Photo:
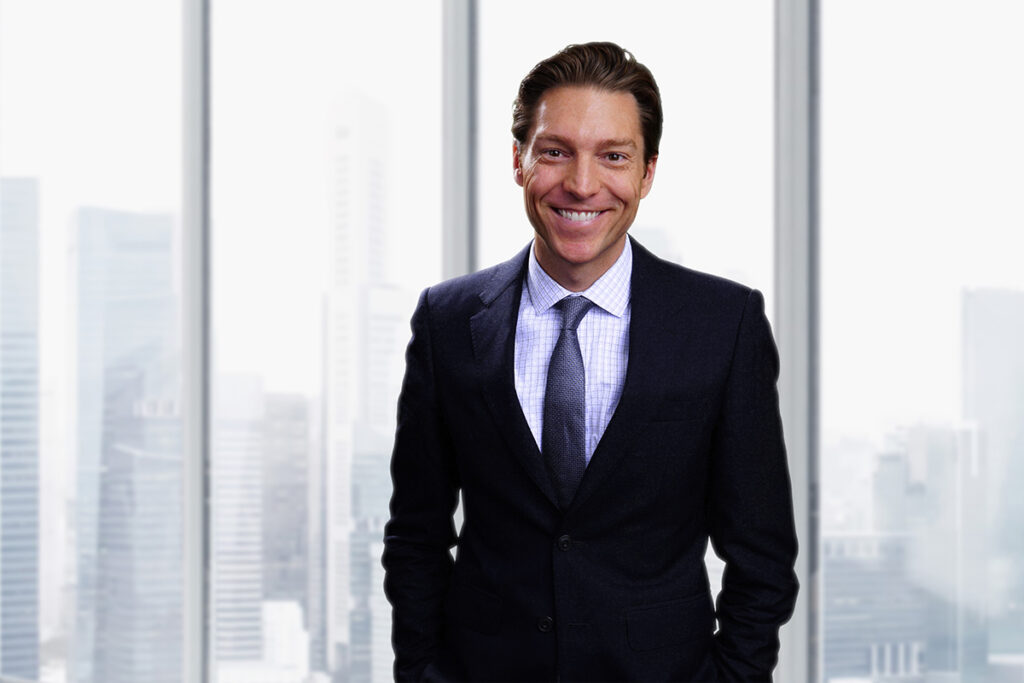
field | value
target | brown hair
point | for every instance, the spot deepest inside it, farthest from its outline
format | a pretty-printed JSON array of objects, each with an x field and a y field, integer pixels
[{"x": 601, "y": 65}]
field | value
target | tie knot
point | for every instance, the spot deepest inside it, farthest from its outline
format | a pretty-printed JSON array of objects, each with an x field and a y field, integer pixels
[{"x": 573, "y": 309}]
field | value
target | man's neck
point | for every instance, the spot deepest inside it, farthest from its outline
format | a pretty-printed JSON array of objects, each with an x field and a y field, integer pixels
[{"x": 581, "y": 277}]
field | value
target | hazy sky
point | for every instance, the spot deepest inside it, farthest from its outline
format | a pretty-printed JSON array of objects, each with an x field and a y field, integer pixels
[{"x": 922, "y": 158}]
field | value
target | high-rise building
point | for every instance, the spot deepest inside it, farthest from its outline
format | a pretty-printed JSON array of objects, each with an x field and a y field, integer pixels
[
  {"x": 367, "y": 331},
  {"x": 237, "y": 518},
  {"x": 846, "y": 478},
  {"x": 286, "y": 458},
  {"x": 874, "y": 617},
  {"x": 367, "y": 328},
  {"x": 138, "y": 584},
  {"x": 316, "y": 604},
  {"x": 948, "y": 557},
  {"x": 993, "y": 400},
  {"x": 287, "y": 511},
  {"x": 907, "y": 600},
  {"x": 128, "y": 447},
  {"x": 382, "y": 657},
  {"x": 364, "y": 536},
  {"x": 370, "y": 621},
  {"x": 19, "y": 427},
  {"x": 358, "y": 232}
]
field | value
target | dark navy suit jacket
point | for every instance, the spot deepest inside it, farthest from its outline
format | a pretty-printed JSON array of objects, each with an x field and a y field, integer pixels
[{"x": 613, "y": 588}]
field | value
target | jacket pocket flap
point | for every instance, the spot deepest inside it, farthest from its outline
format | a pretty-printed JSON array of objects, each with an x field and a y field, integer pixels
[{"x": 670, "y": 623}]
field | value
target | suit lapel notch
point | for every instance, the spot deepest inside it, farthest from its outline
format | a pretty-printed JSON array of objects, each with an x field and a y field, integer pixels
[{"x": 493, "y": 333}]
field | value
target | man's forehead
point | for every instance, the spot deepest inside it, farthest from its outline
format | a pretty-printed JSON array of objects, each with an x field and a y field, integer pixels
[
  {"x": 569, "y": 95},
  {"x": 570, "y": 112}
]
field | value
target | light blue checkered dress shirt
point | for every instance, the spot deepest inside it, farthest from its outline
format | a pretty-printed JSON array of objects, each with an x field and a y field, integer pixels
[{"x": 603, "y": 336}]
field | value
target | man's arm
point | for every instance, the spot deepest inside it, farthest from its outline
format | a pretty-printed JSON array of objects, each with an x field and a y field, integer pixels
[
  {"x": 751, "y": 507},
  {"x": 418, "y": 537}
]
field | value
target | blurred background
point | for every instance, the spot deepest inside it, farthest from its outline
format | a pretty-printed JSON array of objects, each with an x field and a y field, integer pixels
[{"x": 326, "y": 219}]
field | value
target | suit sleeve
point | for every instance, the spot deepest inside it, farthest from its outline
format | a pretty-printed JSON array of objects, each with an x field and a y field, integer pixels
[
  {"x": 420, "y": 533},
  {"x": 751, "y": 507}
]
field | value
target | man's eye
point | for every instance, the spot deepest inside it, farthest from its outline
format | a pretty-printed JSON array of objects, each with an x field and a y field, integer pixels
[
  {"x": 553, "y": 152},
  {"x": 615, "y": 156}
]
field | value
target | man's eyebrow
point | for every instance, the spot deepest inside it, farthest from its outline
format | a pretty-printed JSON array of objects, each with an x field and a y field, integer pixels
[{"x": 558, "y": 139}]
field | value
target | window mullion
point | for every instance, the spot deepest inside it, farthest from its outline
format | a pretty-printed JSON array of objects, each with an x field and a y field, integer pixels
[
  {"x": 195, "y": 404},
  {"x": 796, "y": 286}
]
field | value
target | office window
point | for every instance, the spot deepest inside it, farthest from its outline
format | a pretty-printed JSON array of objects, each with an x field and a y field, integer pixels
[
  {"x": 922, "y": 326},
  {"x": 326, "y": 224},
  {"x": 90, "y": 427}
]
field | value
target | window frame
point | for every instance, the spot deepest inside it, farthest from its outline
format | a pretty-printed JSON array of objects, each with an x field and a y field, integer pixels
[{"x": 796, "y": 308}]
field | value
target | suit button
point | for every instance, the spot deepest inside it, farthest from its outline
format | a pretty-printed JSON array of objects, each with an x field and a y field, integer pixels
[
  {"x": 545, "y": 624},
  {"x": 564, "y": 543}
]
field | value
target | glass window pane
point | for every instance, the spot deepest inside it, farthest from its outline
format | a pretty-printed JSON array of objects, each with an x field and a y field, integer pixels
[
  {"x": 922, "y": 376},
  {"x": 326, "y": 221},
  {"x": 90, "y": 427}
]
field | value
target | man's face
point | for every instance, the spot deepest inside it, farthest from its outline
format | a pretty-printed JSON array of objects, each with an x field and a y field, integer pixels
[{"x": 583, "y": 175}]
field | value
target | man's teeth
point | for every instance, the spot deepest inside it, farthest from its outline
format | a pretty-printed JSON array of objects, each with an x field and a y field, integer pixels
[{"x": 578, "y": 215}]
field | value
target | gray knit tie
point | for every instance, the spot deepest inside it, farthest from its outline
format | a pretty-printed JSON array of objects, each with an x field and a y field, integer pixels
[{"x": 563, "y": 438}]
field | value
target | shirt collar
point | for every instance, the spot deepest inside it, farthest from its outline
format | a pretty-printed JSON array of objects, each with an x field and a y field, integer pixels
[{"x": 610, "y": 291}]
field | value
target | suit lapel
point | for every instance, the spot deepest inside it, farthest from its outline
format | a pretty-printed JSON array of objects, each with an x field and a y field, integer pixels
[
  {"x": 493, "y": 332},
  {"x": 646, "y": 326}
]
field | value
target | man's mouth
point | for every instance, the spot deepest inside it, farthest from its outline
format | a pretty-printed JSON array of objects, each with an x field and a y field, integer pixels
[{"x": 578, "y": 216}]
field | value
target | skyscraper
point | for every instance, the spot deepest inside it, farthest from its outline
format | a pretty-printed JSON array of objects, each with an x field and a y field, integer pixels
[
  {"x": 948, "y": 557},
  {"x": 367, "y": 334},
  {"x": 866, "y": 583},
  {"x": 286, "y": 457},
  {"x": 288, "y": 492},
  {"x": 237, "y": 519},
  {"x": 316, "y": 603},
  {"x": 993, "y": 386},
  {"x": 362, "y": 324},
  {"x": 918, "y": 579},
  {"x": 19, "y": 424},
  {"x": 128, "y": 497},
  {"x": 138, "y": 585}
]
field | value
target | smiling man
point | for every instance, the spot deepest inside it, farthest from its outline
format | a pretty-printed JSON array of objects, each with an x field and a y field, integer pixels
[
  {"x": 583, "y": 170},
  {"x": 604, "y": 414}
]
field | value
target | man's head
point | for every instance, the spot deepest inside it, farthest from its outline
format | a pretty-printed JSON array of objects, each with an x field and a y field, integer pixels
[
  {"x": 604, "y": 66},
  {"x": 585, "y": 154}
]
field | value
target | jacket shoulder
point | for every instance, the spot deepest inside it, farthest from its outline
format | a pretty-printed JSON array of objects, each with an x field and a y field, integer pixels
[
  {"x": 695, "y": 288},
  {"x": 466, "y": 293}
]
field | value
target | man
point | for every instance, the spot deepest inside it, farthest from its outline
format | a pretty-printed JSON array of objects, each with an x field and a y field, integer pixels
[{"x": 603, "y": 414}]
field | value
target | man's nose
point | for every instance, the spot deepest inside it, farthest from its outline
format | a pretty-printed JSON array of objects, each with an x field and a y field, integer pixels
[{"x": 582, "y": 178}]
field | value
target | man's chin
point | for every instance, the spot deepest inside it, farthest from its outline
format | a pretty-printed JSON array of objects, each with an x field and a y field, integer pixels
[{"x": 576, "y": 257}]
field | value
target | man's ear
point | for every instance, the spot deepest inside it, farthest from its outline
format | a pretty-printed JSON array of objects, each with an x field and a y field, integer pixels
[
  {"x": 645, "y": 184},
  {"x": 517, "y": 167}
]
